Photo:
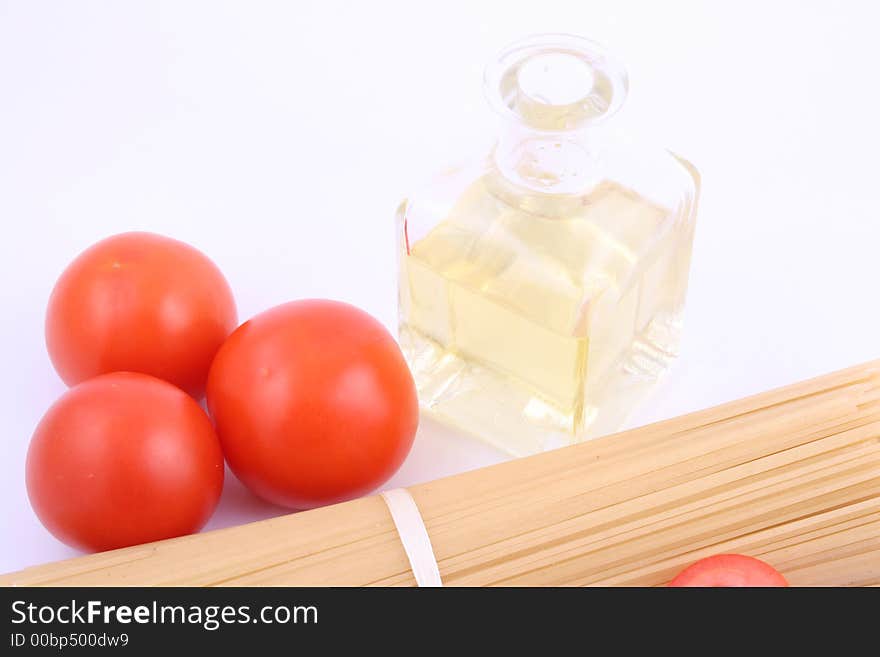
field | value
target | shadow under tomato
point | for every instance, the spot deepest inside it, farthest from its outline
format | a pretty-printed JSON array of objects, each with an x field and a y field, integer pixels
[{"x": 238, "y": 506}]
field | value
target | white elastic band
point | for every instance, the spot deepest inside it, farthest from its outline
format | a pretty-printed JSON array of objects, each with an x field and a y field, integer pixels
[{"x": 414, "y": 536}]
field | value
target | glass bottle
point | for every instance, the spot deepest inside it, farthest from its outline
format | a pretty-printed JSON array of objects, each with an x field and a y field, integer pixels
[{"x": 542, "y": 286}]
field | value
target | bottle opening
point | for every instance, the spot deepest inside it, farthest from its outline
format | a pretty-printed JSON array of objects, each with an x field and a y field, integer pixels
[
  {"x": 556, "y": 82},
  {"x": 555, "y": 78}
]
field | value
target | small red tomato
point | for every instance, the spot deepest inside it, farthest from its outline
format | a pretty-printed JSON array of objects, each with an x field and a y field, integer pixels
[
  {"x": 729, "y": 570},
  {"x": 139, "y": 302},
  {"x": 313, "y": 403},
  {"x": 123, "y": 459}
]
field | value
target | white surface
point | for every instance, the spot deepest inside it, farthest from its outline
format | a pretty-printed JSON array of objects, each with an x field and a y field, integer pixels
[{"x": 279, "y": 137}]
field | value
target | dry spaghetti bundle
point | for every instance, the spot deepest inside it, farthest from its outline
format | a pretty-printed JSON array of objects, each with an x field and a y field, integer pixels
[{"x": 791, "y": 476}]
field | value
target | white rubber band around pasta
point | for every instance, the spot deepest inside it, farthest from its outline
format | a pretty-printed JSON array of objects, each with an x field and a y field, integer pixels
[{"x": 414, "y": 536}]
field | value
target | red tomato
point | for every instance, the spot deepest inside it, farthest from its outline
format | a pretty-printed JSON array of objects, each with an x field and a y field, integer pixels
[
  {"x": 313, "y": 403},
  {"x": 727, "y": 570},
  {"x": 124, "y": 459},
  {"x": 139, "y": 302}
]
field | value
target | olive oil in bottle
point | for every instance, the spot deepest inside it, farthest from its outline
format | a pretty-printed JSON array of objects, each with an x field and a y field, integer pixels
[{"x": 541, "y": 290}]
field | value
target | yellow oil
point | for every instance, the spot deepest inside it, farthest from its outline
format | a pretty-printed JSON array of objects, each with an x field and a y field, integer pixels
[{"x": 536, "y": 321}]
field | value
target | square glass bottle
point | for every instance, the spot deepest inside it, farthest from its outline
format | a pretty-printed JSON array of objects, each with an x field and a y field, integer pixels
[{"x": 542, "y": 286}]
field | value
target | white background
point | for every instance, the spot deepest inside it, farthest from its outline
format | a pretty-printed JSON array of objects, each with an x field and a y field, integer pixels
[{"x": 279, "y": 137}]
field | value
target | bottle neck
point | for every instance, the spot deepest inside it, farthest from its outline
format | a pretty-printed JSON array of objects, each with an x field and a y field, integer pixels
[
  {"x": 553, "y": 92},
  {"x": 567, "y": 162}
]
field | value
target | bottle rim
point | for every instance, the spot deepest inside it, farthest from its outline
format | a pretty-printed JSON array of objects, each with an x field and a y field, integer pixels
[{"x": 511, "y": 58}]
